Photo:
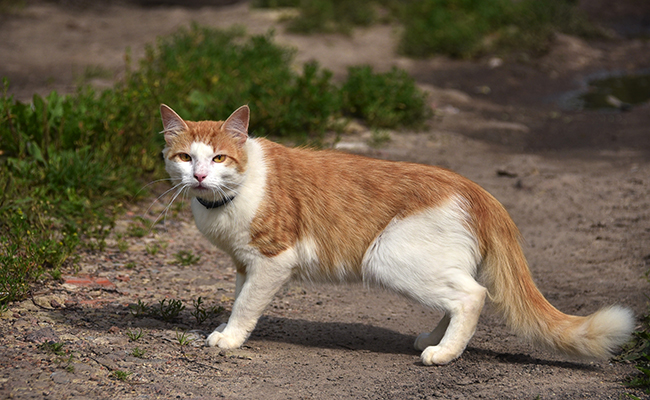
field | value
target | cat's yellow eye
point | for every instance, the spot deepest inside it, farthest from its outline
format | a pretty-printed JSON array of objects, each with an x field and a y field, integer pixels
[
  {"x": 184, "y": 157},
  {"x": 220, "y": 158}
]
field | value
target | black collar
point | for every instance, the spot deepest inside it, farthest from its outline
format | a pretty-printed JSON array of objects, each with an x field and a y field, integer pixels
[{"x": 215, "y": 204}]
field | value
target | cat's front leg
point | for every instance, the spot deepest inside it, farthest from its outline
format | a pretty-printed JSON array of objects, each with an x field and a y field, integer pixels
[{"x": 255, "y": 290}]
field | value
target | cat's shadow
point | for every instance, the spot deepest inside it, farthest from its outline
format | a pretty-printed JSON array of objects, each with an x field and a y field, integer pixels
[
  {"x": 333, "y": 335},
  {"x": 370, "y": 338}
]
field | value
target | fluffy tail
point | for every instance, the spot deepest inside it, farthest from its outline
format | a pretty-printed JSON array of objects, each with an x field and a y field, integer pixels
[{"x": 510, "y": 286}]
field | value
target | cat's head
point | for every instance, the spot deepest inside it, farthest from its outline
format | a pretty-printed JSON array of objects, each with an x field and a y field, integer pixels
[{"x": 206, "y": 158}]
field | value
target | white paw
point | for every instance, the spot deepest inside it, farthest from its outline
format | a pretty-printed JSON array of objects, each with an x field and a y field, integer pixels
[
  {"x": 436, "y": 355},
  {"x": 223, "y": 341}
]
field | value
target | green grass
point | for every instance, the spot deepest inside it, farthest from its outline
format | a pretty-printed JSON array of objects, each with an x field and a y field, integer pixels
[
  {"x": 388, "y": 100},
  {"x": 471, "y": 28},
  {"x": 637, "y": 351},
  {"x": 457, "y": 28},
  {"x": 68, "y": 163}
]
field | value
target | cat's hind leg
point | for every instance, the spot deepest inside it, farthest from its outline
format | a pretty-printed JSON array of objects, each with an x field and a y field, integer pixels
[
  {"x": 463, "y": 310},
  {"x": 432, "y": 257}
]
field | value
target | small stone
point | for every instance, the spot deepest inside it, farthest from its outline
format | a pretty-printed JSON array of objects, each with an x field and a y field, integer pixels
[{"x": 42, "y": 335}]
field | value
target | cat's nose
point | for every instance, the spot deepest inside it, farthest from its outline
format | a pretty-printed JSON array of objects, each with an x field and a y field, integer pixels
[{"x": 200, "y": 177}]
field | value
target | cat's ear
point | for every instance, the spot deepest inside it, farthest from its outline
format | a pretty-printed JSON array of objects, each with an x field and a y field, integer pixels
[
  {"x": 237, "y": 124},
  {"x": 173, "y": 125}
]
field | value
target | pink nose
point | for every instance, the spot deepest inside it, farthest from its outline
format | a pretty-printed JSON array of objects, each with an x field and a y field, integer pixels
[{"x": 200, "y": 177}]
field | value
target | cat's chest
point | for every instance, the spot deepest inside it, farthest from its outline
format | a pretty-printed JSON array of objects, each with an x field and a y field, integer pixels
[
  {"x": 229, "y": 227},
  {"x": 224, "y": 228}
]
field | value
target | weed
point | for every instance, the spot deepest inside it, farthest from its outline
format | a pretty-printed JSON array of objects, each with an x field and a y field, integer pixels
[
  {"x": 186, "y": 258},
  {"x": 202, "y": 314},
  {"x": 133, "y": 335},
  {"x": 183, "y": 338},
  {"x": 129, "y": 265},
  {"x": 120, "y": 375},
  {"x": 387, "y": 100},
  {"x": 139, "y": 309},
  {"x": 53, "y": 347},
  {"x": 153, "y": 248},
  {"x": 138, "y": 352},
  {"x": 638, "y": 351},
  {"x": 137, "y": 228},
  {"x": 379, "y": 138},
  {"x": 469, "y": 28},
  {"x": 122, "y": 245},
  {"x": 167, "y": 309}
]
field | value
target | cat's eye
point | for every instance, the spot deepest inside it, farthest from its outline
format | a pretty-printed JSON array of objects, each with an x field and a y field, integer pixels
[
  {"x": 219, "y": 158},
  {"x": 184, "y": 157}
]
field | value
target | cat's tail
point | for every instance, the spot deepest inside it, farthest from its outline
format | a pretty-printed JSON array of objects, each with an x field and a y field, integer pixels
[{"x": 511, "y": 288}]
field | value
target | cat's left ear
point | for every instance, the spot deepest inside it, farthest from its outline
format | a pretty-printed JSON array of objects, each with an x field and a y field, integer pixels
[
  {"x": 173, "y": 125},
  {"x": 237, "y": 124}
]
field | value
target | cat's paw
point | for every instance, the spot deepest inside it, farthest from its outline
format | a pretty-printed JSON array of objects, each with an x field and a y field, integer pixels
[
  {"x": 223, "y": 341},
  {"x": 436, "y": 355}
]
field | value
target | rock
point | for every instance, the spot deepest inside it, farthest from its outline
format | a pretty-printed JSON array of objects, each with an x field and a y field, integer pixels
[
  {"x": 43, "y": 335},
  {"x": 50, "y": 301}
]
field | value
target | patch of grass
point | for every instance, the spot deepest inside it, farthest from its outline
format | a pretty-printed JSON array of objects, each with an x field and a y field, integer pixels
[
  {"x": 470, "y": 28},
  {"x": 137, "y": 228},
  {"x": 638, "y": 352},
  {"x": 133, "y": 335},
  {"x": 167, "y": 309},
  {"x": 186, "y": 258},
  {"x": 55, "y": 348},
  {"x": 139, "y": 309},
  {"x": 183, "y": 338},
  {"x": 120, "y": 375},
  {"x": 201, "y": 314},
  {"x": 384, "y": 100},
  {"x": 138, "y": 352}
]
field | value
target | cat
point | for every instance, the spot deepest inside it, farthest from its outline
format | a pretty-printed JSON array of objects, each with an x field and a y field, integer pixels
[{"x": 320, "y": 215}]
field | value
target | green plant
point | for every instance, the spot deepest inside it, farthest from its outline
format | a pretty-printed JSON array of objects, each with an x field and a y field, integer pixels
[
  {"x": 138, "y": 352},
  {"x": 638, "y": 352},
  {"x": 186, "y": 258},
  {"x": 53, "y": 347},
  {"x": 133, "y": 335},
  {"x": 120, "y": 375},
  {"x": 153, "y": 248},
  {"x": 183, "y": 338},
  {"x": 137, "y": 228},
  {"x": 385, "y": 100},
  {"x": 167, "y": 309},
  {"x": 201, "y": 314},
  {"x": 140, "y": 309},
  {"x": 469, "y": 28}
]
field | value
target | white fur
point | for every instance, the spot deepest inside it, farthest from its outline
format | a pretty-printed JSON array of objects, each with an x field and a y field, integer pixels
[
  {"x": 228, "y": 227},
  {"x": 432, "y": 257}
]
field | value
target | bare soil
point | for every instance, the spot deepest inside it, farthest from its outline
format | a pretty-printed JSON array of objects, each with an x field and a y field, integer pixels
[{"x": 577, "y": 183}]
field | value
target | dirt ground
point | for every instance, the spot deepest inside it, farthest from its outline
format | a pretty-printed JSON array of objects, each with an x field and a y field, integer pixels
[{"x": 577, "y": 183}]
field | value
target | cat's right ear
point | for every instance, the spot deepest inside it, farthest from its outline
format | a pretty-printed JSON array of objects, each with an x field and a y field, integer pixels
[
  {"x": 173, "y": 125},
  {"x": 237, "y": 124}
]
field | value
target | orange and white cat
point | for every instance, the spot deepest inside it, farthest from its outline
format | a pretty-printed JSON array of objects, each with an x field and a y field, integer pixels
[{"x": 421, "y": 231}]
